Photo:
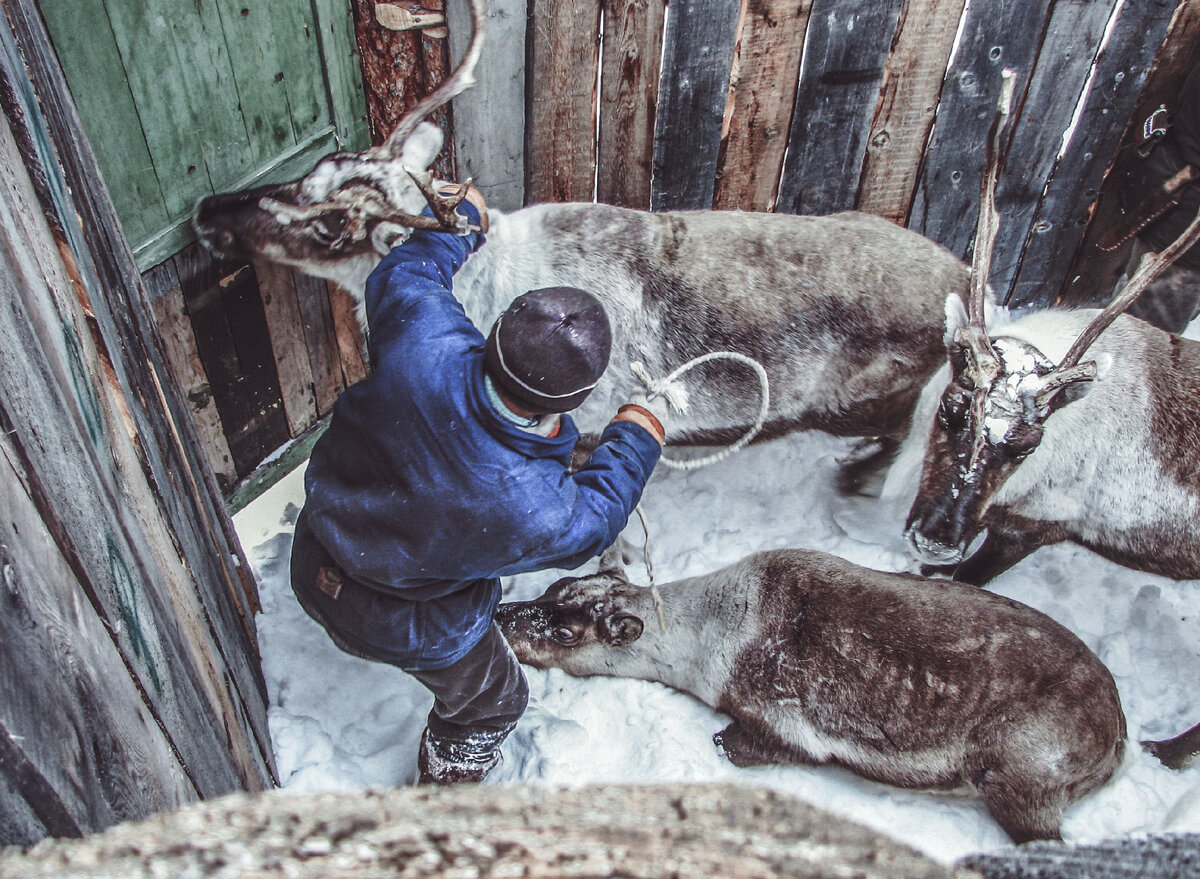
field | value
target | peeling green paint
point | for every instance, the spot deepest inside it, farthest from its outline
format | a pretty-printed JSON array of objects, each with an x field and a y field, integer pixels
[
  {"x": 85, "y": 391},
  {"x": 131, "y": 620}
]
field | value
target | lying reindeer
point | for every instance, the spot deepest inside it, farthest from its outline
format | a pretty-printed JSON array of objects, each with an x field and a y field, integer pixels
[
  {"x": 1030, "y": 446},
  {"x": 910, "y": 682},
  {"x": 844, "y": 312}
]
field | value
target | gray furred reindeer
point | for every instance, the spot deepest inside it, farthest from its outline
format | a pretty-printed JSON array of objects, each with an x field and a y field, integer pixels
[
  {"x": 915, "y": 683},
  {"x": 1030, "y": 446},
  {"x": 844, "y": 312}
]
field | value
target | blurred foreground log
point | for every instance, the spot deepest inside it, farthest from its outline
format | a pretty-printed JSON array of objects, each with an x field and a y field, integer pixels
[{"x": 493, "y": 831}]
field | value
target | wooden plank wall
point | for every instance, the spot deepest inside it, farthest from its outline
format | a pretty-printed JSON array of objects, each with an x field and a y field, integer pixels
[
  {"x": 815, "y": 106},
  {"x": 133, "y": 682}
]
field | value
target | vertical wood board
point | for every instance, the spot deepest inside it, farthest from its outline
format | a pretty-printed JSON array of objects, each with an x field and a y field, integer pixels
[
  {"x": 909, "y": 99},
  {"x": 186, "y": 366},
  {"x": 489, "y": 118},
  {"x": 560, "y": 115},
  {"x": 319, "y": 330},
  {"x": 1094, "y": 272},
  {"x": 693, "y": 91},
  {"x": 1067, "y": 54},
  {"x": 994, "y": 38},
  {"x": 758, "y": 112},
  {"x": 116, "y": 131},
  {"x": 1061, "y": 219},
  {"x": 178, "y": 492},
  {"x": 350, "y": 341},
  {"x": 285, "y": 325},
  {"x": 844, "y": 62},
  {"x": 633, "y": 33}
]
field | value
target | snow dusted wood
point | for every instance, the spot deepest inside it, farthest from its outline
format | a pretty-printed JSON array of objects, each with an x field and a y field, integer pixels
[
  {"x": 846, "y": 51},
  {"x": 1094, "y": 272},
  {"x": 695, "y": 831},
  {"x": 1067, "y": 205},
  {"x": 1161, "y": 856},
  {"x": 138, "y": 685},
  {"x": 994, "y": 38}
]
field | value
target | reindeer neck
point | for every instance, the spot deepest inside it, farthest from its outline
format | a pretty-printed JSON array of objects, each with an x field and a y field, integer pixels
[{"x": 708, "y": 618}]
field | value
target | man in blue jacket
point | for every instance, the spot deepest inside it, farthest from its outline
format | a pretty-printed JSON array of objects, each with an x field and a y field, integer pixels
[{"x": 447, "y": 469}]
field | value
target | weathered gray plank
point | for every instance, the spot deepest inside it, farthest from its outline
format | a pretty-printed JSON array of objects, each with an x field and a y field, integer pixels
[
  {"x": 1094, "y": 272},
  {"x": 697, "y": 56},
  {"x": 78, "y": 749},
  {"x": 845, "y": 56},
  {"x": 1072, "y": 41},
  {"x": 1062, "y": 218},
  {"x": 560, "y": 115},
  {"x": 911, "y": 86},
  {"x": 489, "y": 119},
  {"x": 286, "y": 326},
  {"x": 633, "y": 32},
  {"x": 762, "y": 91},
  {"x": 994, "y": 38},
  {"x": 177, "y": 492},
  {"x": 180, "y": 345}
]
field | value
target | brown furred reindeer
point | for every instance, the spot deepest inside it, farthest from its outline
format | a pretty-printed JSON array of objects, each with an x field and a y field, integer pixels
[
  {"x": 1031, "y": 445},
  {"x": 845, "y": 312},
  {"x": 914, "y": 683}
]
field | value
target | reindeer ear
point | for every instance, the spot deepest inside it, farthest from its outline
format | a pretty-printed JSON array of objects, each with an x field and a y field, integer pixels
[
  {"x": 387, "y": 235},
  {"x": 612, "y": 560},
  {"x": 619, "y": 629},
  {"x": 422, "y": 146},
  {"x": 956, "y": 317}
]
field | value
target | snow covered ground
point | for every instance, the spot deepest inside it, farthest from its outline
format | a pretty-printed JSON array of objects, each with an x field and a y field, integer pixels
[{"x": 343, "y": 723}]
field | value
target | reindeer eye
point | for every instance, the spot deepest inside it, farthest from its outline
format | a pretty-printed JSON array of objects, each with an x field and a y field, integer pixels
[
  {"x": 565, "y": 635},
  {"x": 329, "y": 227},
  {"x": 952, "y": 411}
]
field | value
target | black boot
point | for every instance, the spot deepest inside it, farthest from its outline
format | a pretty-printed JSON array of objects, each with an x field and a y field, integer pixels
[{"x": 464, "y": 761}]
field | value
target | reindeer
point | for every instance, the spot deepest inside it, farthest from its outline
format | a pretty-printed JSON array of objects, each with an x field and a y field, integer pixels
[
  {"x": 817, "y": 660},
  {"x": 844, "y": 312},
  {"x": 1032, "y": 445}
]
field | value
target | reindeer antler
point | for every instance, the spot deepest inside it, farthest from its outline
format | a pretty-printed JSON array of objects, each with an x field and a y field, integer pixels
[
  {"x": 457, "y": 82},
  {"x": 974, "y": 336},
  {"x": 1150, "y": 267}
]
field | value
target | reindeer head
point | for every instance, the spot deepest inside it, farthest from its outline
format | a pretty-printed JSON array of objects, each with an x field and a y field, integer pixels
[
  {"x": 994, "y": 411},
  {"x": 338, "y": 220},
  {"x": 578, "y": 622}
]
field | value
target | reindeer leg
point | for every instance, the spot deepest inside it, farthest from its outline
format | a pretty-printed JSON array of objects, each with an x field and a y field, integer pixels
[
  {"x": 1177, "y": 753},
  {"x": 744, "y": 748},
  {"x": 998, "y": 553}
]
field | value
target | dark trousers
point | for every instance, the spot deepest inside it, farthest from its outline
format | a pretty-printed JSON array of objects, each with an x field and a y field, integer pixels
[{"x": 477, "y": 698}]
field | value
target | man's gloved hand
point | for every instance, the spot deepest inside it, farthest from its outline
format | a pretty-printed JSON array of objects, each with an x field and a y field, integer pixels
[{"x": 652, "y": 407}]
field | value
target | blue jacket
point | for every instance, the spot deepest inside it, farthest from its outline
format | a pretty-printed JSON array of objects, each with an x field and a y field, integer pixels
[{"x": 420, "y": 488}]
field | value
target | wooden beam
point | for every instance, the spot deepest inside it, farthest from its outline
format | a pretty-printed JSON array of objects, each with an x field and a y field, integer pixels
[
  {"x": 904, "y": 117},
  {"x": 758, "y": 110},
  {"x": 286, "y": 328},
  {"x": 560, "y": 114},
  {"x": 697, "y": 59},
  {"x": 633, "y": 32}
]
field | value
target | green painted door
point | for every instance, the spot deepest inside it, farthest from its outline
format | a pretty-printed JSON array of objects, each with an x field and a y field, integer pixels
[{"x": 183, "y": 98}]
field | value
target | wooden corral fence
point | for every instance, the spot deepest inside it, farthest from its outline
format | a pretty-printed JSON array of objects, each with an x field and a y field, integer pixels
[
  {"x": 129, "y": 675},
  {"x": 804, "y": 106}
]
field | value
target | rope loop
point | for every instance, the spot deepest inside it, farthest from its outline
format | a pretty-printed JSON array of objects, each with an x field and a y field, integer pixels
[{"x": 677, "y": 398}]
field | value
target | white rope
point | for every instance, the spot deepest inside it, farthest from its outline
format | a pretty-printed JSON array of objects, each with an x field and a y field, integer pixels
[
  {"x": 676, "y": 397},
  {"x": 663, "y": 388}
]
